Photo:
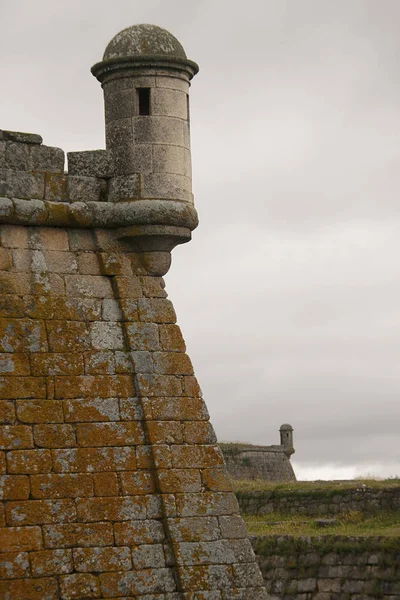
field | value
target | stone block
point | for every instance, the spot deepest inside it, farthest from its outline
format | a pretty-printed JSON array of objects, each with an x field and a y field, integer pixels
[
  {"x": 172, "y": 363},
  {"x": 111, "y": 310},
  {"x": 141, "y": 361},
  {"x": 14, "y": 363},
  {"x": 91, "y": 409},
  {"x": 196, "y": 456},
  {"x": 31, "y": 589},
  {"x": 130, "y": 533},
  {"x": 40, "y": 512},
  {"x": 133, "y": 159},
  {"x": 61, "y": 486},
  {"x": 7, "y": 412},
  {"x": 5, "y": 259},
  {"x": 199, "y": 432},
  {"x": 54, "y": 436},
  {"x": 169, "y": 159},
  {"x": 170, "y": 103},
  {"x": 34, "y": 157},
  {"x": 176, "y": 409},
  {"x": 148, "y": 556},
  {"x": 106, "y": 336},
  {"x": 168, "y": 186},
  {"x": 51, "y": 562},
  {"x": 119, "y": 102},
  {"x": 92, "y": 163},
  {"x": 29, "y": 461},
  {"x": 156, "y": 310},
  {"x": 73, "y": 535},
  {"x": 101, "y": 558},
  {"x": 56, "y": 363},
  {"x": 137, "y": 483},
  {"x": 179, "y": 480},
  {"x": 164, "y": 432},
  {"x": 86, "y": 189},
  {"x": 14, "y": 565},
  {"x": 79, "y": 585},
  {"x": 149, "y": 384},
  {"x": 194, "y": 529},
  {"x": 206, "y": 504},
  {"x": 110, "y": 434},
  {"x": 143, "y": 336},
  {"x": 19, "y": 136},
  {"x": 171, "y": 338},
  {"x": 106, "y": 484},
  {"x": 39, "y": 411},
  {"x": 111, "y": 509},
  {"x": 173, "y": 83},
  {"x": 83, "y": 460},
  {"x": 88, "y": 286},
  {"x": 56, "y": 189},
  {"x": 20, "y": 539},
  {"x": 14, "y": 487},
  {"x": 130, "y": 409},
  {"x": 15, "y": 437},
  {"x": 123, "y": 187},
  {"x": 205, "y": 553},
  {"x": 158, "y": 130},
  {"x": 119, "y": 134},
  {"x": 232, "y": 527},
  {"x": 207, "y": 577},
  {"x": 68, "y": 336},
  {"x": 138, "y": 583},
  {"x": 20, "y": 184}
]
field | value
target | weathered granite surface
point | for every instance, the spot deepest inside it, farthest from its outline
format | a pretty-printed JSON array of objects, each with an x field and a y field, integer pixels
[
  {"x": 320, "y": 502},
  {"x": 329, "y": 567},
  {"x": 267, "y": 463},
  {"x": 111, "y": 481}
]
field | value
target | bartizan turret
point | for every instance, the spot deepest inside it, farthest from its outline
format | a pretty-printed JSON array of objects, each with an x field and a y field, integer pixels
[
  {"x": 286, "y": 432},
  {"x": 146, "y": 75}
]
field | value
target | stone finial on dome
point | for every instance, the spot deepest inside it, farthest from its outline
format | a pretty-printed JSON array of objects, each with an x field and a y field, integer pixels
[{"x": 144, "y": 40}]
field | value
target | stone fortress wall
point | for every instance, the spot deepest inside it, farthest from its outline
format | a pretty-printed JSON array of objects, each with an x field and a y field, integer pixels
[
  {"x": 320, "y": 503},
  {"x": 268, "y": 463},
  {"x": 329, "y": 568},
  {"x": 112, "y": 484}
]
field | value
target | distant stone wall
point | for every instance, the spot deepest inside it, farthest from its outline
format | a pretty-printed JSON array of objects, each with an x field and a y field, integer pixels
[
  {"x": 319, "y": 501},
  {"x": 270, "y": 463},
  {"x": 329, "y": 567}
]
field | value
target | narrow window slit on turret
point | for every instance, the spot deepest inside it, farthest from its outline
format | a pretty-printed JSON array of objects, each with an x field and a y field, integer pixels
[{"x": 144, "y": 101}]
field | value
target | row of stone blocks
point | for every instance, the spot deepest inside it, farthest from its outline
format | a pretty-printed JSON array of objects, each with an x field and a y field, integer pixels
[{"x": 29, "y": 170}]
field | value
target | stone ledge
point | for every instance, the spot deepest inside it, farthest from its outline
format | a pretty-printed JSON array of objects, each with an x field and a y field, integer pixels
[
  {"x": 19, "y": 136},
  {"x": 98, "y": 214}
]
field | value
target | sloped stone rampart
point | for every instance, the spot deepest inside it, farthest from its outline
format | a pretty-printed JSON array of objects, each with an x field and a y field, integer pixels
[
  {"x": 268, "y": 463},
  {"x": 112, "y": 483},
  {"x": 329, "y": 567}
]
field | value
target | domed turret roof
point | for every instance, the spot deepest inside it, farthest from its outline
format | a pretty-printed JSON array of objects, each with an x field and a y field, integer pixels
[
  {"x": 144, "y": 40},
  {"x": 286, "y": 427}
]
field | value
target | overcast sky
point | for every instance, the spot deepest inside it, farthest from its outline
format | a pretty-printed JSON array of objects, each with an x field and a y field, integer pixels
[{"x": 289, "y": 294}]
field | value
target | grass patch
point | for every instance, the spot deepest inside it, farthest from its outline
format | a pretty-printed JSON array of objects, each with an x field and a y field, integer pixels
[
  {"x": 353, "y": 523},
  {"x": 259, "y": 485}
]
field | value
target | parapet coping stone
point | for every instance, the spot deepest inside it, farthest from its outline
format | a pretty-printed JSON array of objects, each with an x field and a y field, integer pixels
[
  {"x": 237, "y": 448},
  {"x": 98, "y": 214},
  {"x": 21, "y": 137}
]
